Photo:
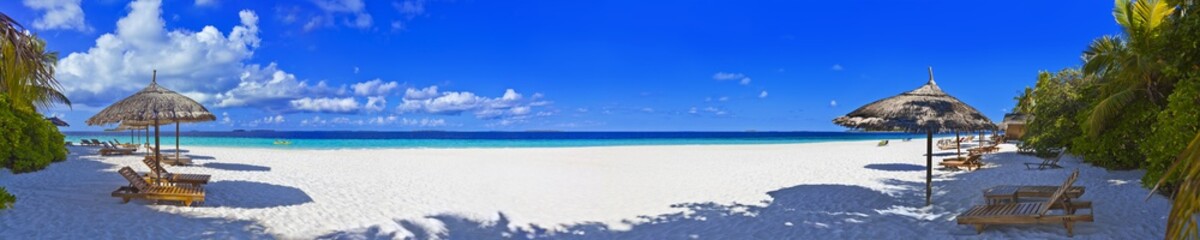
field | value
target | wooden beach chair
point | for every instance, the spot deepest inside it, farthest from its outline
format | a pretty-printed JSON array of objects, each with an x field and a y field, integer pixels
[
  {"x": 109, "y": 150},
  {"x": 1048, "y": 163},
  {"x": 174, "y": 178},
  {"x": 182, "y": 160},
  {"x": 984, "y": 149},
  {"x": 947, "y": 145},
  {"x": 1032, "y": 212},
  {"x": 971, "y": 163},
  {"x": 1013, "y": 193},
  {"x": 139, "y": 188}
]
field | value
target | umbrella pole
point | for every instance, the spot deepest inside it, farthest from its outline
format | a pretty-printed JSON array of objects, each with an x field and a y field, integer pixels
[
  {"x": 157, "y": 153},
  {"x": 928, "y": 166},
  {"x": 957, "y": 145},
  {"x": 177, "y": 141}
]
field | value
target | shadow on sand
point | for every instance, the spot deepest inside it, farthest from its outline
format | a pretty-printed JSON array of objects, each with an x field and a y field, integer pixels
[
  {"x": 201, "y": 157},
  {"x": 895, "y": 167},
  {"x": 795, "y": 212},
  {"x": 74, "y": 193},
  {"x": 237, "y": 167},
  {"x": 246, "y": 194}
]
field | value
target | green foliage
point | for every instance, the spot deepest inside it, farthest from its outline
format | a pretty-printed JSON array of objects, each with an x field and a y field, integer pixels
[
  {"x": 6, "y": 199},
  {"x": 1117, "y": 146},
  {"x": 1180, "y": 120},
  {"x": 1024, "y": 101},
  {"x": 1058, "y": 106},
  {"x": 1176, "y": 125},
  {"x": 31, "y": 143}
]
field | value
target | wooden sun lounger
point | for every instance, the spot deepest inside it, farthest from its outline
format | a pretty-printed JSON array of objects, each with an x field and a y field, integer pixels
[
  {"x": 189, "y": 179},
  {"x": 139, "y": 188},
  {"x": 1031, "y": 212},
  {"x": 972, "y": 161},
  {"x": 1048, "y": 163},
  {"x": 1013, "y": 193},
  {"x": 109, "y": 150}
]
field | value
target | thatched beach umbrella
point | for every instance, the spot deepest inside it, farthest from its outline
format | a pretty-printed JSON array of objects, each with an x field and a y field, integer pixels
[
  {"x": 155, "y": 105},
  {"x": 160, "y": 123},
  {"x": 926, "y": 109},
  {"x": 132, "y": 130}
]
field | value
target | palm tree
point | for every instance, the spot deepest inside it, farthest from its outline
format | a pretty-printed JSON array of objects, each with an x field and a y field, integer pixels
[
  {"x": 1127, "y": 65},
  {"x": 27, "y": 69}
]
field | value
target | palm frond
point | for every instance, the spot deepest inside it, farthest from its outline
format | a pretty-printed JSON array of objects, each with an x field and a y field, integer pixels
[
  {"x": 1104, "y": 54},
  {"x": 1108, "y": 109},
  {"x": 1181, "y": 221},
  {"x": 1152, "y": 13},
  {"x": 27, "y": 69}
]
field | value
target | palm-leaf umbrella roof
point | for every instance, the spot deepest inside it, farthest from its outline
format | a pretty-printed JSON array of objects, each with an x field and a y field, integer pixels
[
  {"x": 920, "y": 110},
  {"x": 151, "y": 103},
  {"x": 58, "y": 122}
]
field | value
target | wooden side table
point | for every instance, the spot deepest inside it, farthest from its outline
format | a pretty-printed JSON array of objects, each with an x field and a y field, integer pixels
[{"x": 1001, "y": 194}]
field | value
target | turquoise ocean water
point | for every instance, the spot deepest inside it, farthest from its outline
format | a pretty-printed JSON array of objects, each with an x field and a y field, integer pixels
[{"x": 370, "y": 140}]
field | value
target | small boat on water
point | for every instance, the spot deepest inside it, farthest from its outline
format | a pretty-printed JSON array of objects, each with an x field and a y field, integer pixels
[{"x": 283, "y": 142}]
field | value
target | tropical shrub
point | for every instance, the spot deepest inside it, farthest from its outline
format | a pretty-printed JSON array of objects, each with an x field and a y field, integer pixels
[
  {"x": 1057, "y": 107},
  {"x": 6, "y": 199},
  {"x": 31, "y": 143}
]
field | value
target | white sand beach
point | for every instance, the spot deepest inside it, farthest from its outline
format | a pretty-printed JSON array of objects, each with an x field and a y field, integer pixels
[{"x": 837, "y": 190}]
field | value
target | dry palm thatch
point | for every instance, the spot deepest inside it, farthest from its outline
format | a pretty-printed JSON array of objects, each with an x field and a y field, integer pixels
[
  {"x": 924, "y": 109},
  {"x": 153, "y": 103}
]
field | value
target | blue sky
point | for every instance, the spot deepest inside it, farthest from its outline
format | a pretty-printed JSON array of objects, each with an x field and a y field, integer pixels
[{"x": 552, "y": 65}]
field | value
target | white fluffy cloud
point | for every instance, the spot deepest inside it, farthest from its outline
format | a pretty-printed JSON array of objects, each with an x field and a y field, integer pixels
[
  {"x": 59, "y": 14},
  {"x": 763, "y": 94},
  {"x": 352, "y": 13},
  {"x": 832, "y": 103},
  {"x": 414, "y": 122},
  {"x": 410, "y": 8},
  {"x": 188, "y": 61},
  {"x": 421, "y": 94},
  {"x": 375, "y": 87},
  {"x": 328, "y": 105},
  {"x": 836, "y": 67},
  {"x": 271, "y": 89},
  {"x": 429, "y": 100},
  {"x": 712, "y": 111},
  {"x": 206, "y": 3},
  {"x": 375, "y": 104},
  {"x": 207, "y": 65},
  {"x": 724, "y": 76}
]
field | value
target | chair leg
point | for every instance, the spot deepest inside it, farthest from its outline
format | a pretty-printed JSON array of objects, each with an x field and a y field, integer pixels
[
  {"x": 978, "y": 228},
  {"x": 1070, "y": 228}
]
